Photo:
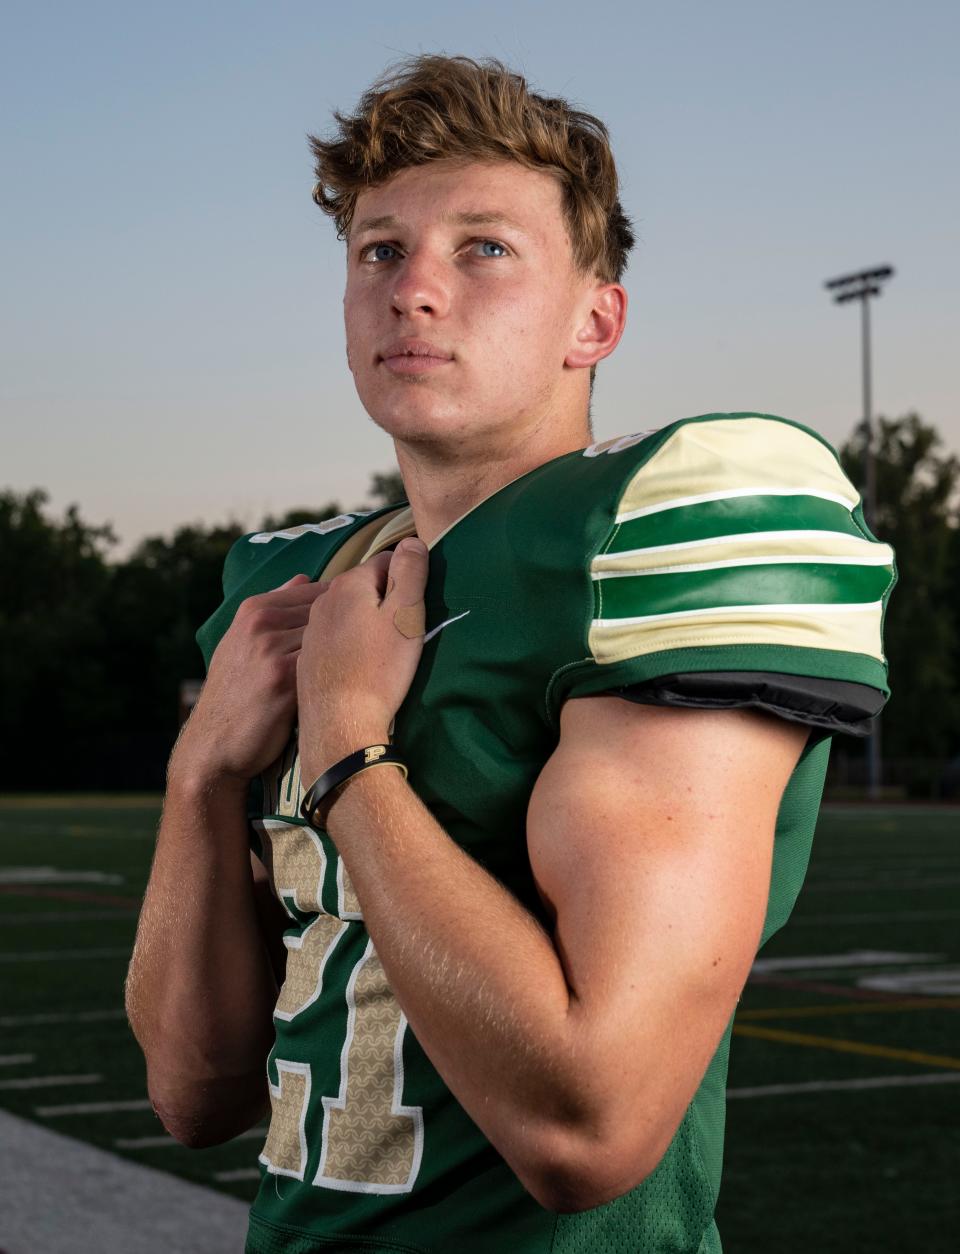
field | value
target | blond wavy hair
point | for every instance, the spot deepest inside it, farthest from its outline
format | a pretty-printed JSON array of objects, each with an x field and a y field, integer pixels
[{"x": 432, "y": 108}]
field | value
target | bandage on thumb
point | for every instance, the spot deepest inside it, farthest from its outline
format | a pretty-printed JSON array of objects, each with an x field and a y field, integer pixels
[{"x": 411, "y": 620}]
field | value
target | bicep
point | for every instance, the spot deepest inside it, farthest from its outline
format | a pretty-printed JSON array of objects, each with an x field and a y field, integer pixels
[{"x": 650, "y": 834}]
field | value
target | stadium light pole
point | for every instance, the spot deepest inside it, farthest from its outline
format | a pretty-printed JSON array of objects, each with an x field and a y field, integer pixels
[{"x": 861, "y": 286}]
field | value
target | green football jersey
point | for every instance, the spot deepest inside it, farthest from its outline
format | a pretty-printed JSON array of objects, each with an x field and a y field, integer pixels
[{"x": 723, "y": 544}]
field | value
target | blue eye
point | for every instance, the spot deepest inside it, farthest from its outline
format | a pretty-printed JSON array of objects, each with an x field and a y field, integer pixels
[
  {"x": 378, "y": 252},
  {"x": 492, "y": 243}
]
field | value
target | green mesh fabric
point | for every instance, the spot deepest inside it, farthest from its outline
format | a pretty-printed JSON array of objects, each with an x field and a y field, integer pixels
[
  {"x": 264, "y": 1238},
  {"x": 711, "y": 1241},
  {"x": 667, "y": 1214}
]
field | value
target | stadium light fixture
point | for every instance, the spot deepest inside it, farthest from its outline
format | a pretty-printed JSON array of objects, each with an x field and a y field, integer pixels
[{"x": 861, "y": 285}]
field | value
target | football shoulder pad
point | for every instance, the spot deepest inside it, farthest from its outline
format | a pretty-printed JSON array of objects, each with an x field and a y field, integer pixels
[{"x": 729, "y": 542}]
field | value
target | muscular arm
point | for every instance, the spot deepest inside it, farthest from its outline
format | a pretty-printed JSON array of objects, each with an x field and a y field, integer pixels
[
  {"x": 201, "y": 989},
  {"x": 202, "y": 982},
  {"x": 650, "y": 834}
]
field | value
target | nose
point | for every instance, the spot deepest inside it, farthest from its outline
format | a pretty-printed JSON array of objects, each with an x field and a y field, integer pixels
[{"x": 421, "y": 285}]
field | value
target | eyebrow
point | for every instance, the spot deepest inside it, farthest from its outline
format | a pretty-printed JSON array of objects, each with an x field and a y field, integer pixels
[{"x": 481, "y": 217}]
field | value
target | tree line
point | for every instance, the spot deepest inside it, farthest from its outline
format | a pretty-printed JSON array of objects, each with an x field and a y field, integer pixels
[{"x": 93, "y": 651}]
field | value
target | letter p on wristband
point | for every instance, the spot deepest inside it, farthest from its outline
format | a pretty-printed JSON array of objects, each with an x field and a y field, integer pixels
[{"x": 322, "y": 789}]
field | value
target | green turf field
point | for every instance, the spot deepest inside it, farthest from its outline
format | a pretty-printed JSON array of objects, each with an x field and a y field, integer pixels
[{"x": 843, "y": 1128}]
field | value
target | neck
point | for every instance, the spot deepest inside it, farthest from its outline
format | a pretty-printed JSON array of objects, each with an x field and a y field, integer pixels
[{"x": 443, "y": 483}]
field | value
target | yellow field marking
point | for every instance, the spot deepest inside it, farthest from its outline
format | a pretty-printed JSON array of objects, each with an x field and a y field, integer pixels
[
  {"x": 847, "y": 1047},
  {"x": 851, "y": 1008}
]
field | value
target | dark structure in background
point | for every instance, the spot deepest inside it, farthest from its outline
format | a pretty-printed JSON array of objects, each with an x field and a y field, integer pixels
[
  {"x": 93, "y": 653},
  {"x": 861, "y": 286}
]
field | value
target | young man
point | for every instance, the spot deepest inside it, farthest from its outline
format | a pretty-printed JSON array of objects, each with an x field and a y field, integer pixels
[{"x": 489, "y": 1001}]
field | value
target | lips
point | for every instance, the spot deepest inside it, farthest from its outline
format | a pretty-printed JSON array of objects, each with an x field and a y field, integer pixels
[{"x": 414, "y": 356}]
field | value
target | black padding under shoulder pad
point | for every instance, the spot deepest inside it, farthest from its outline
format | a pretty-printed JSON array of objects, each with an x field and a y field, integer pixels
[{"x": 829, "y": 705}]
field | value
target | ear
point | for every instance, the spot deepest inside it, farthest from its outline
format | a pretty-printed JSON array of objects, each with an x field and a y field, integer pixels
[{"x": 601, "y": 328}]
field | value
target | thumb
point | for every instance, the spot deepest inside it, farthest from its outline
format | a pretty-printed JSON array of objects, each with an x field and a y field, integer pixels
[
  {"x": 293, "y": 579},
  {"x": 409, "y": 566}
]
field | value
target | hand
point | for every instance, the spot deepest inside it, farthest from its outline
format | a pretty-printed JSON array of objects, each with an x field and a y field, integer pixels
[
  {"x": 245, "y": 713},
  {"x": 360, "y": 652}
]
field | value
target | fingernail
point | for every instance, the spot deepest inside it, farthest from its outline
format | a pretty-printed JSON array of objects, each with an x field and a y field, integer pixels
[{"x": 412, "y": 544}]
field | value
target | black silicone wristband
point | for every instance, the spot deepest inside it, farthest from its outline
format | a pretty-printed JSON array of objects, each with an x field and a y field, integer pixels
[{"x": 340, "y": 772}]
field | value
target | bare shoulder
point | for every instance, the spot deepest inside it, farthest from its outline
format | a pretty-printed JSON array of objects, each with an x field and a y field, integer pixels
[{"x": 633, "y": 788}]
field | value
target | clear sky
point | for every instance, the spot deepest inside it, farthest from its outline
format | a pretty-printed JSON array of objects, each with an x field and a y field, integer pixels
[{"x": 171, "y": 327}]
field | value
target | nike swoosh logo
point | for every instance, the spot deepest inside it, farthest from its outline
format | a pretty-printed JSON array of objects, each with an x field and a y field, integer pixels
[{"x": 455, "y": 619}]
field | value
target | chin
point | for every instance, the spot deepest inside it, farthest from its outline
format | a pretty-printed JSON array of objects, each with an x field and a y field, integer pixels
[
  {"x": 419, "y": 418},
  {"x": 420, "y": 430}
]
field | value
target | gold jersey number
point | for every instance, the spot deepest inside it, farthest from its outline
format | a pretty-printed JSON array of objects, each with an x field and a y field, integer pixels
[{"x": 369, "y": 1141}]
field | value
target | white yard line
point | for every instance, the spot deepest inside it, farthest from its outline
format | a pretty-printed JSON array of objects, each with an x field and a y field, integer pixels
[
  {"x": 103, "y": 1202},
  {"x": 49, "y": 1081},
  {"x": 167, "y": 1142},
  {"x": 852, "y": 959},
  {"x": 92, "y": 1108},
  {"x": 940, "y": 982},
  {"x": 51, "y": 875},
  {"x": 832, "y": 1086},
  {"x": 239, "y": 1173}
]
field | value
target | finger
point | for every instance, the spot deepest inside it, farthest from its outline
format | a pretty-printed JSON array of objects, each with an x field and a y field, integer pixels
[
  {"x": 379, "y": 567},
  {"x": 369, "y": 578},
  {"x": 303, "y": 593},
  {"x": 270, "y": 618},
  {"x": 264, "y": 618},
  {"x": 409, "y": 566},
  {"x": 289, "y": 641}
]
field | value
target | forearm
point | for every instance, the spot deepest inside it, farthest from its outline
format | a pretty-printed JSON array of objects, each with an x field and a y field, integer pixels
[
  {"x": 478, "y": 978},
  {"x": 200, "y": 989}
]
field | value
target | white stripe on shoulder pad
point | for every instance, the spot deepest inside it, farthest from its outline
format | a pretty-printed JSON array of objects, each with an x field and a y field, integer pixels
[
  {"x": 837, "y": 628},
  {"x": 741, "y": 537},
  {"x": 729, "y": 494},
  {"x": 763, "y": 610},
  {"x": 723, "y": 457},
  {"x": 753, "y": 548},
  {"x": 783, "y": 559}
]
